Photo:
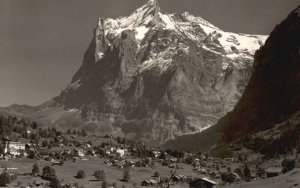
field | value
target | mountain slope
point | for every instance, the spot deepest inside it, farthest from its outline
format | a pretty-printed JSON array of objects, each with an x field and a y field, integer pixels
[
  {"x": 155, "y": 75},
  {"x": 273, "y": 93},
  {"x": 267, "y": 117}
]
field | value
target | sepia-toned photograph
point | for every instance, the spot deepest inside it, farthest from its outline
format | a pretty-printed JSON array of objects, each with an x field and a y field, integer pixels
[{"x": 150, "y": 93}]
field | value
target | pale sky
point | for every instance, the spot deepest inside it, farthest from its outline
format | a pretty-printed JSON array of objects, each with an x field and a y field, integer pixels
[{"x": 42, "y": 42}]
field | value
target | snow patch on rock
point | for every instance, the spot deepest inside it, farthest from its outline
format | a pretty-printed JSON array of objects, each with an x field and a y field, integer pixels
[
  {"x": 141, "y": 32},
  {"x": 167, "y": 21}
]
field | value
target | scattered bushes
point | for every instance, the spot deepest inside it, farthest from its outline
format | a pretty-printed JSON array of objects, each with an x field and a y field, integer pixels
[
  {"x": 100, "y": 175},
  {"x": 126, "y": 174},
  {"x": 48, "y": 173},
  {"x": 104, "y": 184},
  {"x": 80, "y": 174},
  {"x": 5, "y": 178},
  {"x": 54, "y": 183},
  {"x": 35, "y": 169},
  {"x": 229, "y": 178}
]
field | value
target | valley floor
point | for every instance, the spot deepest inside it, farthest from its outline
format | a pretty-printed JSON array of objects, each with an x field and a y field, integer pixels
[{"x": 68, "y": 170}]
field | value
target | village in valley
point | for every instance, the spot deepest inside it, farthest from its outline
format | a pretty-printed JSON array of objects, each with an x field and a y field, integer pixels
[{"x": 35, "y": 157}]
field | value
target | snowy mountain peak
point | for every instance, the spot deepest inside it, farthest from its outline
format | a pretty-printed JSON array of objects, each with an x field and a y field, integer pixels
[
  {"x": 147, "y": 15},
  {"x": 167, "y": 72},
  {"x": 153, "y": 4}
]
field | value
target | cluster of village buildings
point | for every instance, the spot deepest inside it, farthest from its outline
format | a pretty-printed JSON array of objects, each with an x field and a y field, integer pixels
[{"x": 208, "y": 168}]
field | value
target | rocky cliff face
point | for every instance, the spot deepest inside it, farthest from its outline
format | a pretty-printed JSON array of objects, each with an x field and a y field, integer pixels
[{"x": 158, "y": 75}]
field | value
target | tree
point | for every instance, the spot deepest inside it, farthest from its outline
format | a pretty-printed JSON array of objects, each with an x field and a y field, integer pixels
[
  {"x": 1, "y": 149},
  {"x": 163, "y": 155},
  {"x": 126, "y": 174},
  {"x": 35, "y": 169},
  {"x": 260, "y": 171},
  {"x": 54, "y": 183},
  {"x": 239, "y": 171},
  {"x": 80, "y": 174},
  {"x": 247, "y": 172},
  {"x": 34, "y": 125},
  {"x": 104, "y": 184},
  {"x": 229, "y": 169},
  {"x": 74, "y": 132},
  {"x": 288, "y": 165},
  {"x": 19, "y": 183},
  {"x": 48, "y": 173},
  {"x": 31, "y": 154},
  {"x": 230, "y": 178},
  {"x": 83, "y": 133},
  {"x": 152, "y": 163},
  {"x": 190, "y": 159},
  {"x": 100, "y": 175},
  {"x": 4, "y": 179},
  {"x": 45, "y": 143}
]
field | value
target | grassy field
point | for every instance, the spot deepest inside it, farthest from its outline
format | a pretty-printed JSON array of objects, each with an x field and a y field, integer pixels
[{"x": 69, "y": 169}]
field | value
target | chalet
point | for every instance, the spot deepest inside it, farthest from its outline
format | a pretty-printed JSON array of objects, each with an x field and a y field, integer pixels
[
  {"x": 108, "y": 163},
  {"x": 113, "y": 149},
  {"x": 178, "y": 178},
  {"x": 79, "y": 152},
  {"x": 202, "y": 170},
  {"x": 149, "y": 182},
  {"x": 55, "y": 162},
  {"x": 131, "y": 163},
  {"x": 273, "y": 171},
  {"x": 156, "y": 154},
  {"x": 107, "y": 152},
  {"x": 84, "y": 159},
  {"x": 171, "y": 159},
  {"x": 120, "y": 152},
  {"x": 203, "y": 182},
  {"x": 13, "y": 148},
  {"x": 110, "y": 150}
]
